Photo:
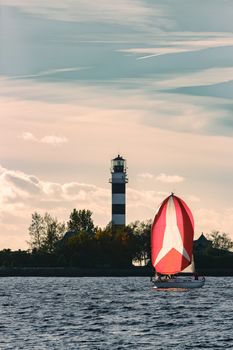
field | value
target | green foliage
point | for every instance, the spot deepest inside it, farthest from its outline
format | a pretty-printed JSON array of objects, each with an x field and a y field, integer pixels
[
  {"x": 80, "y": 250},
  {"x": 88, "y": 246},
  {"x": 104, "y": 249},
  {"x": 122, "y": 247},
  {"x": 92, "y": 247},
  {"x": 37, "y": 231},
  {"x": 220, "y": 241},
  {"x": 53, "y": 233},
  {"x": 142, "y": 232},
  {"x": 81, "y": 220},
  {"x": 45, "y": 231},
  {"x": 19, "y": 258}
]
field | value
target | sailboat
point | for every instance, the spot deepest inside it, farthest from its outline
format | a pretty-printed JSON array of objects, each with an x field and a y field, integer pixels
[{"x": 172, "y": 246}]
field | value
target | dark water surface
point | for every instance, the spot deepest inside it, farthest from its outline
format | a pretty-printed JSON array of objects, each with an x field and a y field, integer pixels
[{"x": 113, "y": 313}]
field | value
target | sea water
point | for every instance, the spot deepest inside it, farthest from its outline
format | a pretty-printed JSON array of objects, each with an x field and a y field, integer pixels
[{"x": 113, "y": 313}]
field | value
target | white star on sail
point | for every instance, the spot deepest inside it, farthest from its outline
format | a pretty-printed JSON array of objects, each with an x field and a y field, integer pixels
[{"x": 172, "y": 237}]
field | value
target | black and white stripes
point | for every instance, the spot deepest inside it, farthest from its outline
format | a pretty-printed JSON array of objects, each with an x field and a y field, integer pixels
[{"x": 118, "y": 180}]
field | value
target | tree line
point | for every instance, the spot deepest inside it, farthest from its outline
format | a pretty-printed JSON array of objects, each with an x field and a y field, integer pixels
[{"x": 79, "y": 243}]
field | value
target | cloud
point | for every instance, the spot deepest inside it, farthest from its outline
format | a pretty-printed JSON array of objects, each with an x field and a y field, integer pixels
[
  {"x": 169, "y": 178},
  {"x": 19, "y": 188},
  {"x": 146, "y": 176},
  {"x": 188, "y": 114},
  {"x": 51, "y": 139},
  {"x": 211, "y": 219},
  {"x": 171, "y": 46},
  {"x": 22, "y": 194},
  {"x": 117, "y": 105},
  {"x": 48, "y": 72},
  {"x": 204, "y": 77},
  {"x": 107, "y": 11},
  {"x": 28, "y": 136},
  {"x": 194, "y": 114},
  {"x": 144, "y": 199}
]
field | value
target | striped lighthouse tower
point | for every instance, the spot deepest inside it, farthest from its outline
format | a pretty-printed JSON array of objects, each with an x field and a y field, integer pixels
[{"x": 118, "y": 180}]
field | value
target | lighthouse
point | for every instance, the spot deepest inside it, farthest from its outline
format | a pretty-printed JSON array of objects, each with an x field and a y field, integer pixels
[{"x": 118, "y": 181}]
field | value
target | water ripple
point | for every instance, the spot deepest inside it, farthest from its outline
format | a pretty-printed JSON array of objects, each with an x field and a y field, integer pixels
[{"x": 116, "y": 313}]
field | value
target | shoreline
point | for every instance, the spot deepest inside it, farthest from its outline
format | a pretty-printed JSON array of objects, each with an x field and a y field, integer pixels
[{"x": 95, "y": 272}]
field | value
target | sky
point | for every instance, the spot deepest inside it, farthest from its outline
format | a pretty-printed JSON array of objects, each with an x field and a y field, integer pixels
[{"x": 151, "y": 80}]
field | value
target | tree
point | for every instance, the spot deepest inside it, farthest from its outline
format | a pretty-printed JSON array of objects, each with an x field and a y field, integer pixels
[
  {"x": 45, "y": 231},
  {"x": 115, "y": 248},
  {"x": 123, "y": 247},
  {"x": 36, "y": 232},
  {"x": 81, "y": 221},
  {"x": 220, "y": 241},
  {"x": 53, "y": 233},
  {"x": 142, "y": 232}
]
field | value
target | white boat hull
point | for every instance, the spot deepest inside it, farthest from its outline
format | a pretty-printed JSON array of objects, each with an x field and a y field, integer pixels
[{"x": 179, "y": 283}]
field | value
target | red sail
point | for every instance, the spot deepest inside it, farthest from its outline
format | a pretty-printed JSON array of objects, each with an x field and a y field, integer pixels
[{"x": 172, "y": 236}]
